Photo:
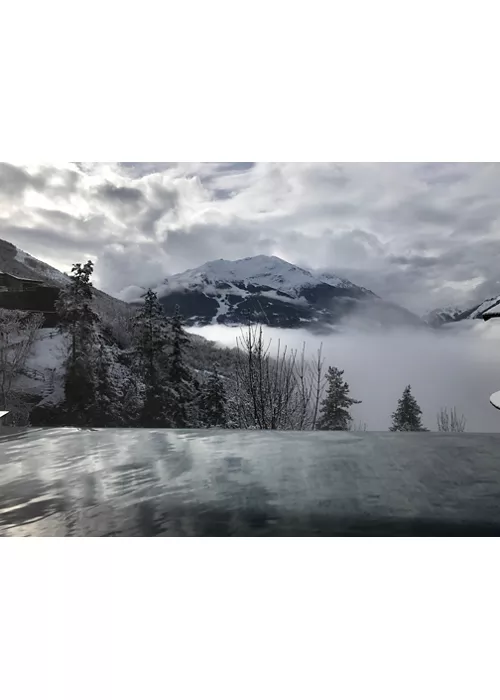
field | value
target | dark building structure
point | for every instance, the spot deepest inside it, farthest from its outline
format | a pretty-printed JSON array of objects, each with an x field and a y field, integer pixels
[{"x": 23, "y": 294}]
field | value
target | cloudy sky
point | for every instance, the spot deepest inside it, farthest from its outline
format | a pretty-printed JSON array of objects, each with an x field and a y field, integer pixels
[{"x": 419, "y": 234}]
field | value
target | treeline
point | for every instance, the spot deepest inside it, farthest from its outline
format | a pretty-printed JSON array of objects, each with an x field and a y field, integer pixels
[
  {"x": 160, "y": 389},
  {"x": 147, "y": 371}
]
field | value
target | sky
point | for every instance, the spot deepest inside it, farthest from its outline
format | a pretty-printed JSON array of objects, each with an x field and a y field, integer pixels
[{"x": 423, "y": 235}]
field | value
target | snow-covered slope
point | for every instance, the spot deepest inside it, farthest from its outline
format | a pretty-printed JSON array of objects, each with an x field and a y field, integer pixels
[
  {"x": 269, "y": 290},
  {"x": 40, "y": 269},
  {"x": 477, "y": 311},
  {"x": 260, "y": 270},
  {"x": 438, "y": 317},
  {"x": 335, "y": 281},
  {"x": 452, "y": 314}
]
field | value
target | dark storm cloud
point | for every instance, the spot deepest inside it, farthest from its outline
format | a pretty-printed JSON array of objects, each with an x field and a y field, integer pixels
[
  {"x": 14, "y": 180},
  {"x": 161, "y": 196},
  {"x": 419, "y": 233},
  {"x": 142, "y": 169},
  {"x": 124, "y": 195},
  {"x": 221, "y": 193},
  {"x": 201, "y": 243},
  {"x": 229, "y": 167},
  {"x": 47, "y": 239},
  {"x": 417, "y": 261}
]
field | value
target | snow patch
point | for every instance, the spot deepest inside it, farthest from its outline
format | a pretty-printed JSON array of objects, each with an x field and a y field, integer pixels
[
  {"x": 49, "y": 350},
  {"x": 273, "y": 294},
  {"x": 223, "y": 307}
]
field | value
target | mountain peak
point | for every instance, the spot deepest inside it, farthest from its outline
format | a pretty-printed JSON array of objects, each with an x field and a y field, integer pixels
[
  {"x": 268, "y": 270},
  {"x": 269, "y": 290}
]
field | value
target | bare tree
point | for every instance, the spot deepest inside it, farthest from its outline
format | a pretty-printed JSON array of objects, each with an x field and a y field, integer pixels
[
  {"x": 358, "y": 427},
  {"x": 17, "y": 335},
  {"x": 449, "y": 422},
  {"x": 311, "y": 382},
  {"x": 279, "y": 391},
  {"x": 266, "y": 386},
  {"x": 305, "y": 390},
  {"x": 318, "y": 383}
]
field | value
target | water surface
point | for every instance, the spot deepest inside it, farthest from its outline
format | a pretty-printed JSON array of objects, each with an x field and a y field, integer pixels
[{"x": 71, "y": 482}]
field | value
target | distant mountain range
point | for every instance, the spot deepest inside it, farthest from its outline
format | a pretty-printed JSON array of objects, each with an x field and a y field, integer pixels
[
  {"x": 262, "y": 288},
  {"x": 452, "y": 314},
  {"x": 274, "y": 292}
]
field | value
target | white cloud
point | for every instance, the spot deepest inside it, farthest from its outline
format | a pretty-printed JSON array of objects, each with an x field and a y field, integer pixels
[{"x": 417, "y": 234}]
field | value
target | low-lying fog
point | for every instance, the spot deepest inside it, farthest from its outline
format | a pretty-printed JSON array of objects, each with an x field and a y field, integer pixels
[{"x": 456, "y": 366}]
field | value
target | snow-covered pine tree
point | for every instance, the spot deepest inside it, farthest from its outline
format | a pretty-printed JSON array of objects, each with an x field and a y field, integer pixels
[
  {"x": 108, "y": 408},
  {"x": 178, "y": 370},
  {"x": 180, "y": 376},
  {"x": 213, "y": 402},
  {"x": 78, "y": 321},
  {"x": 131, "y": 403},
  {"x": 151, "y": 337},
  {"x": 335, "y": 408},
  {"x": 406, "y": 418},
  {"x": 151, "y": 334}
]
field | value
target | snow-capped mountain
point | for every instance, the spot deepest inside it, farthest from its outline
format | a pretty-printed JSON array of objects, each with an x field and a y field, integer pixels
[
  {"x": 438, "y": 317},
  {"x": 451, "y": 314},
  {"x": 272, "y": 291},
  {"x": 476, "y": 312}
]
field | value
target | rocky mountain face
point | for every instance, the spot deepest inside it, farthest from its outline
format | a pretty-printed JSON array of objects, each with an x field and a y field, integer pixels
[{"x": 269, "y": 290}]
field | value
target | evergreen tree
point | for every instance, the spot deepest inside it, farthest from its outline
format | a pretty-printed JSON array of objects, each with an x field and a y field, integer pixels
[
  {"x": 213, "y": 402},
  {"x": 179, "y": 374},
  {"x": 335, "y": 407},
  {"x": 407, "y": 415},
  {"x": 151, "y": 333},
  {"x": 178, "y": 370},
  {"x": 78, "y": 321},
  {"x": 107, "y": 404}
]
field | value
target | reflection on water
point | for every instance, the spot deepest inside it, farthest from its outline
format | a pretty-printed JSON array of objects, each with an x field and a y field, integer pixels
[{"x": 217, "y": 483}]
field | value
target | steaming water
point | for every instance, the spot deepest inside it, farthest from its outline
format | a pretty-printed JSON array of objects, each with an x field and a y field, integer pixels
[{"x": 170, "y": 482}]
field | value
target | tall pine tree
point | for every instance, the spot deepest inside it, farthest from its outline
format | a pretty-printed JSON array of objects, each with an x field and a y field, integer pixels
[
  {"x": 213, "y": 402},
  {"x": 151, "y": 337},
  {"x": 78, "y": 321},
  {"x": 180, "y": 376},
  {"x": 406, "y": 418},
  {"x": 108, "y": 408},
  {"x": 335, "y": 408}
]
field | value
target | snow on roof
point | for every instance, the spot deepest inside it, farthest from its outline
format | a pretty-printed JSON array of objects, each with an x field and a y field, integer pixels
[{"x": 492, "y": 312}]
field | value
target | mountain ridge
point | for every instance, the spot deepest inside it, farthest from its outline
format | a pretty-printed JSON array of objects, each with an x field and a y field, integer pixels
[
  {"x": 454, "y": 314},
  {"x": 272, "y": 291}
]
